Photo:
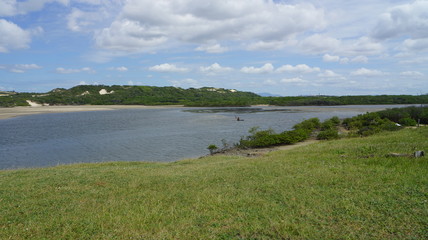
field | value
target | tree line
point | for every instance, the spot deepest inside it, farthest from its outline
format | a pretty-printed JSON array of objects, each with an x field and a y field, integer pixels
[{"x": 192, "y": 97}]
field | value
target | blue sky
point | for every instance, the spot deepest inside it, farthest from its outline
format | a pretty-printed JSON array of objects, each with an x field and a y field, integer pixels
[{"x": 284, "y": 47}]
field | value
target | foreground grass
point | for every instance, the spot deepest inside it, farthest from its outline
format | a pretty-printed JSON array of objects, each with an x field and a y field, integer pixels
[{"x": 344, "y": 189}]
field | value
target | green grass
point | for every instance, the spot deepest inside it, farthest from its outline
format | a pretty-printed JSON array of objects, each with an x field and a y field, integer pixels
[{"x": 344, "y": 189}]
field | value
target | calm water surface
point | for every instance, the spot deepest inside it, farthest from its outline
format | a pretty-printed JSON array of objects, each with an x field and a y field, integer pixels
[{"x": 158, "y": 135}]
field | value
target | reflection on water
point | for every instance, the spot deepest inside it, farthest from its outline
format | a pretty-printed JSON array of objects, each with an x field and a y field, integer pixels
[{"x": 161, "y": 135}]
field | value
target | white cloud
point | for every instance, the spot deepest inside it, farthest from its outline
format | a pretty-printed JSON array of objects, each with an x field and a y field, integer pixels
[
  {"x": 20, "y": 68},
  {"x": 409, "y": 19},
  {"x": 367, "y": 72},
  {"x": 300, "y": 68},
  {"x": 7, "y": 7},
  {"x": 270, "y": 82},
  {"x": 318, "y": 43},
  {"x": 266, "y": 45},
  {"x": 329, "y": 74},
  {"x": 415, "y": 60},
  {"x": 416, "y": 45},
  {"x": 360, "y": 59},
  {"x": 166, "y": 67},
  {"x": 411, "y": 74},
  {"x": 267, "y": 68},
  {"x": 13, "y": 37},
  {"x": 345, "y": 60},
  {"x": 296, "y": 81},
  {"x": 28, "y": 66},
  {"x": 73, "y": 20},
  {"x": 14, "y": 7},
  {"x": 215, "y": 68},
  {"x": 146, "y": 24},
  {"x": 362, "y": 46},
  {"x": 120, "y": 69},
  {"x": 330, "y": 58},
  {"x": 71, "y": 70},
  {"x": 15, "y": 70},
  {"x": 93, "y": 15},
  {"x": 130, "y": 36},
  {"x": 217, "y": 48}
]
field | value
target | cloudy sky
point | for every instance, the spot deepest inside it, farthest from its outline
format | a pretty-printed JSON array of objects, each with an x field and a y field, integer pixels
[{"x": 283, "y": 47}]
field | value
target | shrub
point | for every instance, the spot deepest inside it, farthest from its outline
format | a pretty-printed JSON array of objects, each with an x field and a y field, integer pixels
[
  {"x": 257, "y": 139},
  {"x": 369, "y": 123},
  {"x": 327, "y": 125},
  {"x": 310, "y": 124},
  {"x": 407, "y": 122},
  {"x": 328, "y": 134},
  {"x": 212, "y": 148},
  {"x": 294, "y": 136},
  {"x": 397, "y": 114},
  {"x": 335, "y": 120}
]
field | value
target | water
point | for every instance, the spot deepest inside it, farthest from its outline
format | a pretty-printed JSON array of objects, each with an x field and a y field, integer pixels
[{"x": 159, "y": 135}]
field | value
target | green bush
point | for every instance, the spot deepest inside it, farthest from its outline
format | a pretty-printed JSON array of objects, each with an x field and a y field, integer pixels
[
  {"x": 415, "y": 113},
  {"x": 407, "y": 122},
  {"x": 335, "y": 120},
  {"x": 258, "y": 139},
  {"x": 369, "y": 124},
  {"x": 294, "y": 136},
  {"x": 212, "y": 148},
  {"x": 328, "y": 125},
  {"x": 310, "y": 124},
  {"x": 267, "y": 138},
  {"x": 328, "y": 134}
]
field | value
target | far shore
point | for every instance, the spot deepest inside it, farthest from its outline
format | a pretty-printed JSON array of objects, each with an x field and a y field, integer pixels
[
  {"x": 22, "y": 111},
  {"x": 6, "y": 113}
]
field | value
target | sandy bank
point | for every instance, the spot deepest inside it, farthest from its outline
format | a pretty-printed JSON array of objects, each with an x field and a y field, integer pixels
[{"x": 22, "y": 111}]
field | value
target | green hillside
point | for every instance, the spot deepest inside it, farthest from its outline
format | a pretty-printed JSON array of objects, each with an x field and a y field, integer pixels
[
  {"x": 135, "y": 95},
  {"x": 206, "y": 96},
  {"x": 341, "y": 189}
]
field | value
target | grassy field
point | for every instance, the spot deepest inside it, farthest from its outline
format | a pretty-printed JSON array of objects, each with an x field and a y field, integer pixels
[{"x": 344, "y": 189}]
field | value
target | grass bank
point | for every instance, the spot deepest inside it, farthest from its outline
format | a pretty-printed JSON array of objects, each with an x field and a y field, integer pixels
[{"x": 344, "y": 189}]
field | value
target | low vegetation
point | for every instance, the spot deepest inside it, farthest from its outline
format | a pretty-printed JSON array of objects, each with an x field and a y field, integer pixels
[
  {"x": 361, "y": 125},
  {"x": 135, "y": 95},
  {"x": 267, "y": 138},
  {"x": 346, "y": 100},
  {"x": 342, "y": 189}
]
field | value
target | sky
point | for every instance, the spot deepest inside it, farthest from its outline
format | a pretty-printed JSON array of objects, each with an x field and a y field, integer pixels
[{"x": 281, "y": 47}]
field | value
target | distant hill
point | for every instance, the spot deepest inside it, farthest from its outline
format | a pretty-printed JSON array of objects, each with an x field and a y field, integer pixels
[
  {"x": 194, "y": 97},
  {"x": 137, "y": 95}
]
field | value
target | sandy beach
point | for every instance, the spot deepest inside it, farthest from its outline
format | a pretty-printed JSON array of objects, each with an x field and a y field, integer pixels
[{"x": 22, "y": 111}]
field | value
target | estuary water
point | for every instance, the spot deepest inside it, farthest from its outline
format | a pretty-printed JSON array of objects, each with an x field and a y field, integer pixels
[{"x": 155, "y": 135}]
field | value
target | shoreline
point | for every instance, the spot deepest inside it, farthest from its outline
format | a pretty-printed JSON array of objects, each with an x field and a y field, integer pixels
[{"x": 6, "y": 113}]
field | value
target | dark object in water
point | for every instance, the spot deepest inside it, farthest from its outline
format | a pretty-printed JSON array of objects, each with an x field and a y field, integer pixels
[{"x": 238, "y": 119}]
